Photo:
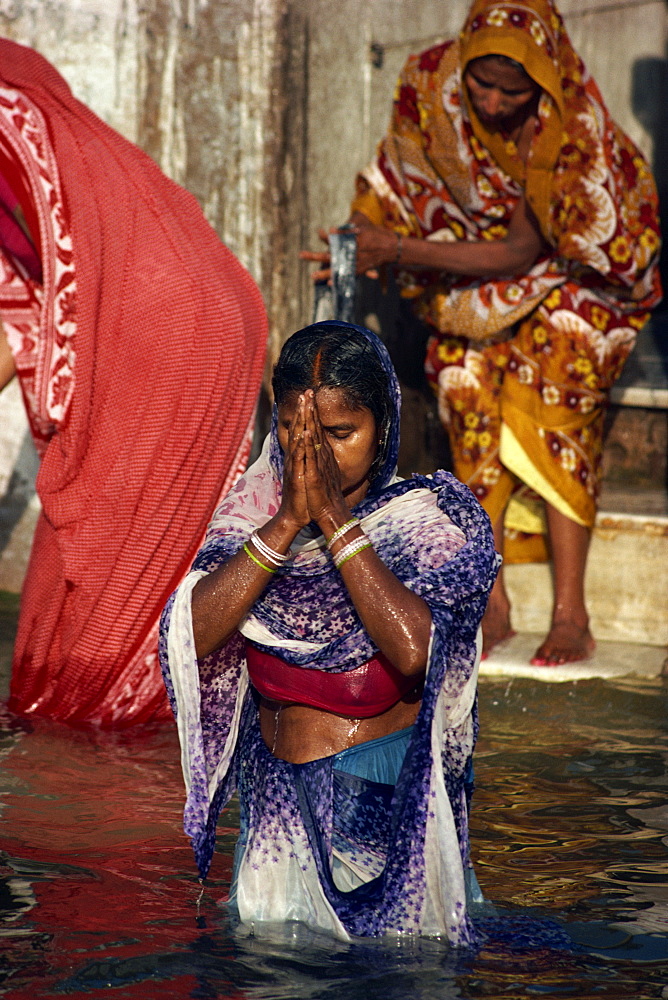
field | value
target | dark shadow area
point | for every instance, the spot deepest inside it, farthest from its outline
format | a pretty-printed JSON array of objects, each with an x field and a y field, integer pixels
[
  {"x": 649, "y": 94},
  {"x": 9, "y": 614},
  {"x": 424, "y": 442},
  {"x": 20, "y": 490},
  {"x": 647, "y": 367},
  {"x": 649, "y": 97}
]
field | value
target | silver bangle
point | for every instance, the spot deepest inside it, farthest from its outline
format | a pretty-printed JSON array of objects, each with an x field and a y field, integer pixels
[
  {"x": 277, "y": 558},
  {"x": 343, "y": 530},
  {"x": 351, "y": 549}
]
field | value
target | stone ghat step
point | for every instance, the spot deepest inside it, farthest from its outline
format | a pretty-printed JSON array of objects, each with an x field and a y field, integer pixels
[
  {"x": 617, "y": 500},
  {"x": 626, "y": 582},
  {"x": 609, "y": 660}
]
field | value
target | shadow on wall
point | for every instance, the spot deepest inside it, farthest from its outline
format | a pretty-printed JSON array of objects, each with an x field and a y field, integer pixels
[
  {"x": 649, "y": 97},
  {"x": 424, "y": 443},
  {"x": 20, "y": 489}
]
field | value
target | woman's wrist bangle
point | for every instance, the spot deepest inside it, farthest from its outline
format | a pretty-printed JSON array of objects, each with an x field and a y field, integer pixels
[
  {"x": 277, "y": 558},
  {"x": 343, "y": 530},
  {"x": 257, "y": 562},
  {"x": 400, "y": 242},
  {"x": 350, "y": 550}
]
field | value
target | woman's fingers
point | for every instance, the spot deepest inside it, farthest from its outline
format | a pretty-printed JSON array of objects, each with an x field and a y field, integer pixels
[
  {"x": 314, "y": 436},
  {"x": 294, "y": 487},
  {"x": 375, "y": 246},
  {"x": 322, "y": 478},
  {"x": 323, "y": 274},
  {"x": 312, "y": 421},
  {"x": 317, "y": 255}
]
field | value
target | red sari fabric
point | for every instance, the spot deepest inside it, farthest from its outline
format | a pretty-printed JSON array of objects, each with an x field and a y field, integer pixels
[{"x": 140, "y": 356}]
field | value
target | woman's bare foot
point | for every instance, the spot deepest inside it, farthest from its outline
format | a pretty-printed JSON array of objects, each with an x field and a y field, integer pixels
[
  {"x": 496, "y": 626},
  {"x": 566, "y": 642},
  {"x": 569, "y": 638}
]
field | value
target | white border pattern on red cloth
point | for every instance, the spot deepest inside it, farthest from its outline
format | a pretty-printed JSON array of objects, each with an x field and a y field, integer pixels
[{"x": 41, "y": 323}]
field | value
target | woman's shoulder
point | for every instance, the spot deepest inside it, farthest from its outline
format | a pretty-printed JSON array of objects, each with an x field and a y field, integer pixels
[
  {"x": 449, "y": 492},
  {"x": 434, "y": 502}
]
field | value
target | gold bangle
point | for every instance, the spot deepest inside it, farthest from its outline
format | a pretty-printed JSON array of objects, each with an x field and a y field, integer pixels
[{"x": 257, "y": 561}]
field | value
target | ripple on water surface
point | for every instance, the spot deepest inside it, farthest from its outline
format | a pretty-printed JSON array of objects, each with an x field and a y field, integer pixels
[{"x": 98, "y": 889}]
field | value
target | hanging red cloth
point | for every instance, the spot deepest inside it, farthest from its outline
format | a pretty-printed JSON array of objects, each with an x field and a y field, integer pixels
[{"x": 140, "y": 355}]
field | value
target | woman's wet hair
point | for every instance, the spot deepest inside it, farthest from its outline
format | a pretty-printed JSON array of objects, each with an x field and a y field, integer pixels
[{"x": 337, "y": 357}]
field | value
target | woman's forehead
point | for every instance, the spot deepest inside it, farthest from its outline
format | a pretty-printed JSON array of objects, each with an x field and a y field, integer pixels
[
  {"x": 334, "y": 405},
  {"x": 497, "y": 70}
]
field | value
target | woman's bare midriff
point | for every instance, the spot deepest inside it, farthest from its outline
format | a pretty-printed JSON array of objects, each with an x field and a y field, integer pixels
[{"x": 299, "y": 733}]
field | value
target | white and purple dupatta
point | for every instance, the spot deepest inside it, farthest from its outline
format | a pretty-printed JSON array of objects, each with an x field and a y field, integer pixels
[{"x": 436, "y": 538}]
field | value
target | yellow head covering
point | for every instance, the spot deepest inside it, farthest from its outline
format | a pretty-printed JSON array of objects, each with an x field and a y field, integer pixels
[{"x": 532, "y": 33}]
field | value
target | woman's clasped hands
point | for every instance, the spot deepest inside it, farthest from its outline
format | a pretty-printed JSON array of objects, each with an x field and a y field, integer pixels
[{"x": 311, "y": 479}]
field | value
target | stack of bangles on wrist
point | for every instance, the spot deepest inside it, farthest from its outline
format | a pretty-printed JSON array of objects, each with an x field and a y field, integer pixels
[
  {"x": 276, "y": 559},
  {"x": 352, "y": 548},
  {"x": 343, "y": 530}
]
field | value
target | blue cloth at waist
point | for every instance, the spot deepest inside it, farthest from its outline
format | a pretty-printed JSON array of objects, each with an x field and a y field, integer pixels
[{"x": 376, "y": 760}]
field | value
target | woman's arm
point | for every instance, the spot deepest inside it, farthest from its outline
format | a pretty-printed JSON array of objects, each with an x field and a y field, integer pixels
[
  {"x": 7, "y": 366},
  {"x": 397, "y": 620},
  {"x": 223, "y": 598},
  {"x": 515, "y": 253}
]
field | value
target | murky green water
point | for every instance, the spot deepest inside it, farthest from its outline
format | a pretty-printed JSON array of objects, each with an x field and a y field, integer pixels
[{"x": 98, "y": 892}]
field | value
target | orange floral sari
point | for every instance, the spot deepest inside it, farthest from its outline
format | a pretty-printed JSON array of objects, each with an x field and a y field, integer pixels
[{"x": 521, "y": 365}]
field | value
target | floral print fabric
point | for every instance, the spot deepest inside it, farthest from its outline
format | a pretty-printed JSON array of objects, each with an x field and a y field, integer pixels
[{"x": 537, "y": 352}]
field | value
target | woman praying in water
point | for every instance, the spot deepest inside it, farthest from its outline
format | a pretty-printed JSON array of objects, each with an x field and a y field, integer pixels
[{"x": 321, "y": 658}]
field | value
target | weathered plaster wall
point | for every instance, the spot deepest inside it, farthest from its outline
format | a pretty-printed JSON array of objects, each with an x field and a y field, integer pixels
[
  {"x": 92, "y": 43},
  {"x": 205, "y": 88}
]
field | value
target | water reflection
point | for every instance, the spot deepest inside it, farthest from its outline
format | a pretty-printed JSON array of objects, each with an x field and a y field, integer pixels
[{"x": 98, "y": 890}]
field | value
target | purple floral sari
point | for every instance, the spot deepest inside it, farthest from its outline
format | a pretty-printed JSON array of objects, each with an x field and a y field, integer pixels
[{"x": 407, "y": 844}]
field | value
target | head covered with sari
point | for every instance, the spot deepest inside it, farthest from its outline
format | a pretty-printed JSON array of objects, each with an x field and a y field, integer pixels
[
  {"x": 338, "y": 355},
  {"x": 533, "y": 35}
]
